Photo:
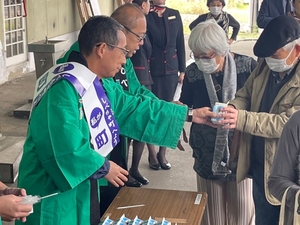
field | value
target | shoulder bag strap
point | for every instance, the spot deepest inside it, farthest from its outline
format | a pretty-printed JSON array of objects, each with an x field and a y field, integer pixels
[
  {"x": 217, "y": 86},
  {"x": 282, "y": 207},
  {"x": 296, "y": 210}
]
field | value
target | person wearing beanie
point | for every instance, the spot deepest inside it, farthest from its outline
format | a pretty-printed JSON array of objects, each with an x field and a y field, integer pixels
[
  {"x": 261, "y": 109},
  {"x": 224, "y": 19}
]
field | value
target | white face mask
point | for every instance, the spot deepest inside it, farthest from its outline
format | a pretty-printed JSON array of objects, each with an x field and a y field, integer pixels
[
  {"x": 207, "y": 65},
  {"x": 215, "y": 10},
  {"x": 279, "y": 65}
]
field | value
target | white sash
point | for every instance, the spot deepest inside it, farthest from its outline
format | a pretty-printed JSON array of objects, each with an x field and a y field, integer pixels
[{"x": 103, "y": 127}]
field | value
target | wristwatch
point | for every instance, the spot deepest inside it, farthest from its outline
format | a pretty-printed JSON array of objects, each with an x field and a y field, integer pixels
[{"x": 190, "y": 115}]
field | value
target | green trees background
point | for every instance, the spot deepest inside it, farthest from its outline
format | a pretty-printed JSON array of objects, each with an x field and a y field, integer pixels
[
  {"x": 239, "y": 9},
  {"x": 199, "y": 6}
]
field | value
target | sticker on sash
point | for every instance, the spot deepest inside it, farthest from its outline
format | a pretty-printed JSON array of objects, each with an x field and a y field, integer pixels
[{"x": 171, "y": 17}]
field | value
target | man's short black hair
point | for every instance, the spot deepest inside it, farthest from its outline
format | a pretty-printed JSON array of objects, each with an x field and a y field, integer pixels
[{"x": 96, "y": 30}]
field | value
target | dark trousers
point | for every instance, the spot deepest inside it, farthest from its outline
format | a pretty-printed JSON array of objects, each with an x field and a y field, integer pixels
[
  {"x": 94, "y": 203},
  {"x": 107, "y": 195},
  {"x": 265, "y": 213},
  {"x": 119, "y": 156}
]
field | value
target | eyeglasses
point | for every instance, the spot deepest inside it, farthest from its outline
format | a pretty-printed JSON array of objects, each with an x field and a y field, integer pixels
[
  {"x": 124, "y": 50},
  {"x": 202, "y": 56},
  {"x": 140, "y": 38}
]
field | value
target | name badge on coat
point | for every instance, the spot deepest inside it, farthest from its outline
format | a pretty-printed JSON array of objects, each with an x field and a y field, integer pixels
[{"x": 171, "y": 17}]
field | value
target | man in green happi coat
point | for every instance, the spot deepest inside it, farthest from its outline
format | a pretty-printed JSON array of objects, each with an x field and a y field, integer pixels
[{"x": 58, "y": 156}]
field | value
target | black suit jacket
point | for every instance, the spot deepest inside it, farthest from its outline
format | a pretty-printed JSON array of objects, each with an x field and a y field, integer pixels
[
  {"x": 168, "y": 56},
  {"x": 269, "y": 9},
  {"x": 141, "y": 63}
]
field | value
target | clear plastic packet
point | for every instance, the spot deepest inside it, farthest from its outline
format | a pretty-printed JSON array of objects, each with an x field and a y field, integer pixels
[{"x": 31, "y": 199}]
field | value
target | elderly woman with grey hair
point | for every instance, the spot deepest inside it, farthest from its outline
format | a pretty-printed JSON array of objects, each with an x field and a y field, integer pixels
[{"x": 215, "y": 76}]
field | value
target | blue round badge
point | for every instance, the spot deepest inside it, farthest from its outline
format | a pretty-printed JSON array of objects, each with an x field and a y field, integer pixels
[
  {"x": 63, "y": 67},
  {"x": 95, "y": 117}
]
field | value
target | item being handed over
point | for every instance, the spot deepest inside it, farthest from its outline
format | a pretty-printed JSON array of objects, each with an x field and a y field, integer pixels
[
  {"x": 217, "y": 109},
  {"x": 229, "y": 118},
  {"x": 32, "y": 199}
]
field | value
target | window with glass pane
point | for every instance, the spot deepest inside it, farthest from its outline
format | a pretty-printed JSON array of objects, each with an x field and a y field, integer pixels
[{"x": 14, "y": 27}]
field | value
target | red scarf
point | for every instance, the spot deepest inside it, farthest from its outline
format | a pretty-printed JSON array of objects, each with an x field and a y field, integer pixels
[{"x": 156, "y": 8}]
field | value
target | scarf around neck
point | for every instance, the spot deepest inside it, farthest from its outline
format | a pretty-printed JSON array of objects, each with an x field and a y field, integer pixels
[
  {"x": 156, "y": 8},
  {"x": 222, "y": 20},
  {"x": 220, "y": 165}
]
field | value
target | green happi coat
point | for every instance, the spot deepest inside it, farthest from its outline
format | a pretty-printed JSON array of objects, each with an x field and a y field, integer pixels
[{"x": 58, "y": 158}]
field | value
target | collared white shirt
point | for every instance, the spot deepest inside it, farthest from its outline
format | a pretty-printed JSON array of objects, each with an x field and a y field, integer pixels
[{"x": 284, "y": 6}]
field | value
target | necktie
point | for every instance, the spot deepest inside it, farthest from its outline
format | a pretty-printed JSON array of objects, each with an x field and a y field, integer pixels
[{"x": 288, "y": 7}]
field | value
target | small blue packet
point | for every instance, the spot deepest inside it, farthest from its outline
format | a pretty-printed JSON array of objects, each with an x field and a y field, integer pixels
[
  {"x": 122, "y": 221},
  {"x": 107, "y": 221},
  {"x": 150, "y": 221},
  {"x": 135, "y": 221},
  {"x": 164, "y": 222},
  {"x": 217, "y": 109}
]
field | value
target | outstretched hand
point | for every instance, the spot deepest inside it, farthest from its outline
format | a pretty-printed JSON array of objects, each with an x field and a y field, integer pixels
[
  {"x": 230, "y": 117},
  {"x": 11, "y": 209},
  {"x": 203, "y": 116},
  {"x": 116, "y": 175}
]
